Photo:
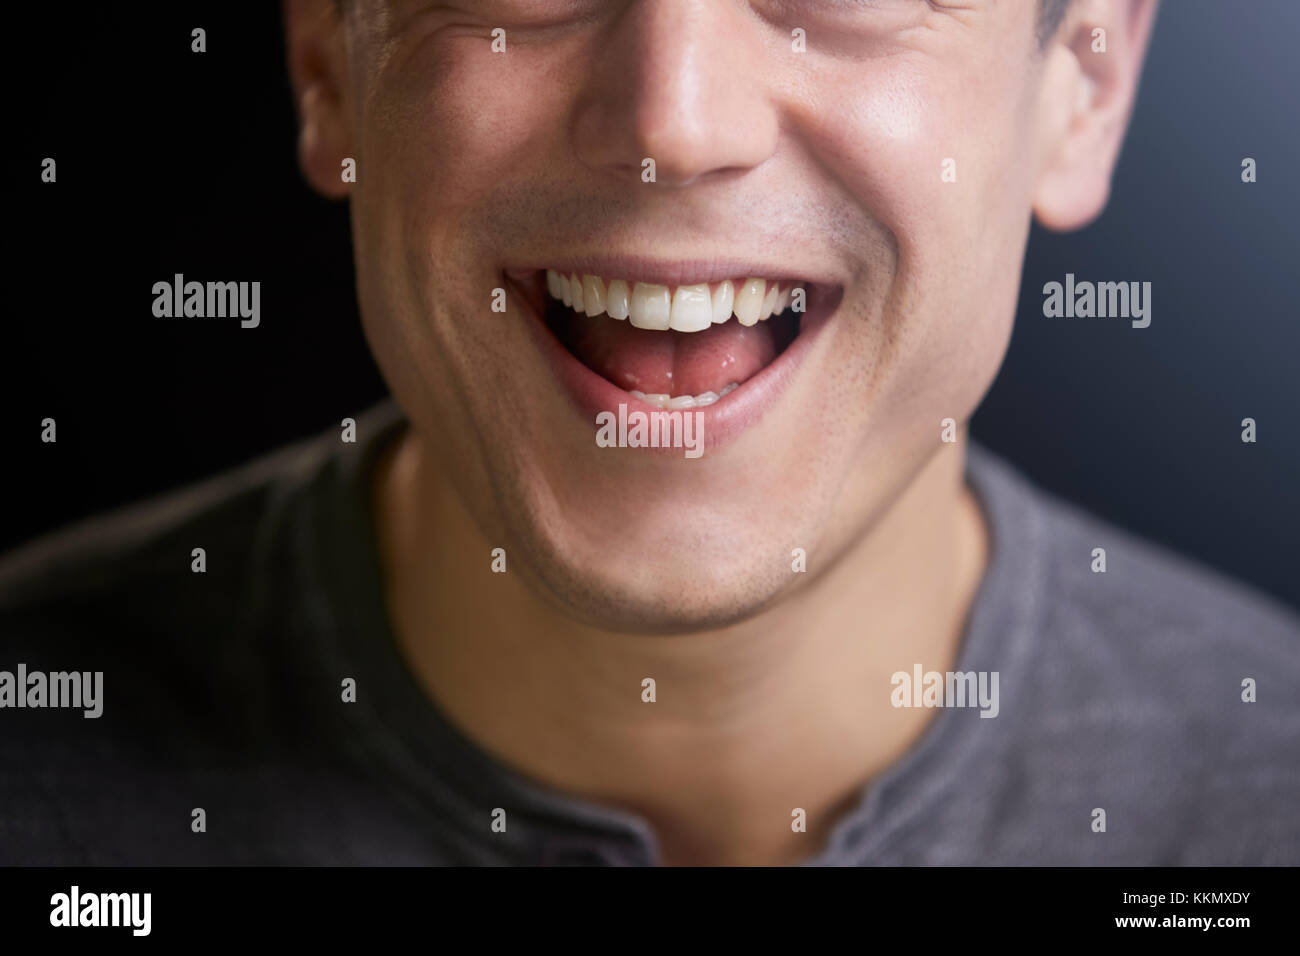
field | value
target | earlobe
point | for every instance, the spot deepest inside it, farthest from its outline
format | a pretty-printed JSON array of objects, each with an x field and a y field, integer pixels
[
  {"x": 1090, "y": 83},
  {"x": 317, "y": 70},
  {"x": 322, "y": 144},
  {"x": 1073, "y": 182},
  {"x": 1064, "y": 205}
]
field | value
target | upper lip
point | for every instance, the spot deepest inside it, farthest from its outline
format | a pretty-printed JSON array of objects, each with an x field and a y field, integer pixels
[{"x": 673, "y": 272}]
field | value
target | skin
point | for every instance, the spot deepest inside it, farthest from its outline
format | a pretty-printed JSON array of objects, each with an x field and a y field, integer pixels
[{"x": 772, "y": 687}]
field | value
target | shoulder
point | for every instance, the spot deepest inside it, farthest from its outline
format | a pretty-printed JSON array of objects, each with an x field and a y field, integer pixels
[
  {"x": 1151, "y": 684},
  {"x": 151, "y": 547},
  {"x": 1116, "y": 597},
  {"x": 146, "y": 620}
]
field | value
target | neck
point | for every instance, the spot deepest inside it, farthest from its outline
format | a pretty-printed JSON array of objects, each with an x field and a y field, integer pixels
[{"x": 787, "y": 710}]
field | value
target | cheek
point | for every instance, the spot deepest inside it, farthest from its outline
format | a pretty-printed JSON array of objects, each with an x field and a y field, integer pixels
[
  {"x": 930, "y": 154},
  {"x": 880, "y": 137},
  {"x": 938, "y": 162},
  {"x": 443, "y": 132},
  {"x": 456, "y": 121},
  {"x": 432, "y": 121}
]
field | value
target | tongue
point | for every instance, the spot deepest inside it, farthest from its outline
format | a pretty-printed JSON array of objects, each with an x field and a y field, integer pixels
[{"x": 668, "y": 362}]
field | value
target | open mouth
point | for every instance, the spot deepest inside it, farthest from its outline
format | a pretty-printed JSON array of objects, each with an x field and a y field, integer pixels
[{"x": 673, "y": 346}]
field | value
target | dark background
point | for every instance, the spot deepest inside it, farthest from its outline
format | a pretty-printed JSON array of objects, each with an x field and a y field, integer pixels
[{"x": 170, "y": 161}]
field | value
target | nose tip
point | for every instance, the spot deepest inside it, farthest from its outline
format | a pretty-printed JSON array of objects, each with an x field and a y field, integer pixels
[
  {"x": 686, "y": 145},
  {"x": 667, "y": 101}
]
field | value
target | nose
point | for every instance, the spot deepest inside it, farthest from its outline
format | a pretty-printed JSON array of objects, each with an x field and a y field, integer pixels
[{"x": 679, "y": 82}]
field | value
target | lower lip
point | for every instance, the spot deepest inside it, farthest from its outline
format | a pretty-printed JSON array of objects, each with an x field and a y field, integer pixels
[{"x": 723, "y": 421}]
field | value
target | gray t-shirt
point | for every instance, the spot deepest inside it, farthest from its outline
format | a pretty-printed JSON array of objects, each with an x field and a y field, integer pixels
[{"x": 222, "y": 693}]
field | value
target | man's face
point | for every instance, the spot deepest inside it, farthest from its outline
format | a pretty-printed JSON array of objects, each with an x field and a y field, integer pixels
[{"x": 888, "y": 169}]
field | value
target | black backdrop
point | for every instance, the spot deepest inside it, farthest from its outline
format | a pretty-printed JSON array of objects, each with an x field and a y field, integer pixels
[{"x": 170, "y": 161}]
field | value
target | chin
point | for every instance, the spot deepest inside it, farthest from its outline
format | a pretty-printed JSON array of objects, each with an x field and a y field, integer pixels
[{"x": 700, "y": 579}]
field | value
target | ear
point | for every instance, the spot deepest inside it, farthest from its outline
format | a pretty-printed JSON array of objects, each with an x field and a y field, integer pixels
[
  {"x": 1090, "y": 81},
  {"x": 318, "y": 72}
]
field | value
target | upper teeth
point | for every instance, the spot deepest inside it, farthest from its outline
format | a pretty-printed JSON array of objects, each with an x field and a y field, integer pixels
[{"x": 685, "y": 308}]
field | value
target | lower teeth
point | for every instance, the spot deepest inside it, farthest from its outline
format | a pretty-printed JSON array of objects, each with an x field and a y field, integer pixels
[{"x": 683, "y": 401}]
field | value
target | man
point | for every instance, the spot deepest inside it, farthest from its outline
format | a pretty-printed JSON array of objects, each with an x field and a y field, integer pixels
[{"x": 815, "y": 625}]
